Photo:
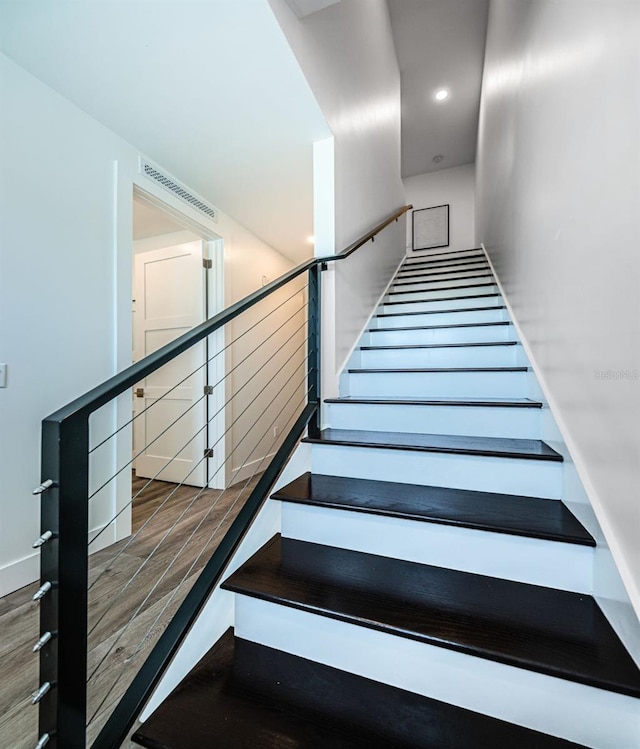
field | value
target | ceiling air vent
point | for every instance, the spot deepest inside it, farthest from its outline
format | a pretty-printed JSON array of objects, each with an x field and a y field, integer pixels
[{"x": 175, "y": 188}]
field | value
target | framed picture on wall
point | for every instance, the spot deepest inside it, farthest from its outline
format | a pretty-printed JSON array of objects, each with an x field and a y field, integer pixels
[{"x": 431, "y": 227}]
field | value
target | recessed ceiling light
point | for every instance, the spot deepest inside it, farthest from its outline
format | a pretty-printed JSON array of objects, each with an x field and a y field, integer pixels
[
  {"x": 441, "y": 94},
  {"x": 311, "y": 239},
  {"x": 437, "y": 159}
]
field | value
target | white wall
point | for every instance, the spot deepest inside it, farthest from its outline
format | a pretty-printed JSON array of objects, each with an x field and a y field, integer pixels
[
  {"x": 454, "y": 186},
  {"x": 347, "y": 54},
  {"x": 268, "y": 358},
  {"x": 65, "y": 281},
  {"x": 558, "y": 208}
]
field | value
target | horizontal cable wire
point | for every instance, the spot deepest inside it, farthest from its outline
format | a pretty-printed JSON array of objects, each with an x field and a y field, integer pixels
[
  {"x": 172, "y": 493},
  {"x": 220, "y": 381},
  {"x": 169, "y": 496},
  {"x": 229, "y": 510},
  {"x": 211, "y": 537},
  {"x": 208, "y": 361},
  {"x": 141, "y": 605},
  {"x": 204, "y": 426}
]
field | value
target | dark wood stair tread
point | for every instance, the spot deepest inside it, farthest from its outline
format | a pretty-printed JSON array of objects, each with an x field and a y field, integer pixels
[
  {"x": 243, "y": 695},
  {"x": 399, "y": 400},
  {"x": 467, "y": 344},
  {"x": 441, "y": 270},
  {"x": 445, "y": 288},
  {"x": 549, "y": 631},
  {"x": 443, "y": 299},
  {"x": 499, "y": 513},
  {"x": 397, "y": 283},
  {"x": 452, "y": 255},
  {"x": 442, "y": 311},
  {"x": 496, "y": 447},
  {"x": 378, "y": 370},
  {"x": 499, "y": 323}
]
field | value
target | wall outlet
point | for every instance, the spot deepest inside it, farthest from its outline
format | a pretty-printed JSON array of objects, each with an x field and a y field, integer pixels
[
  {"x": 276, "y": 431},
  {"x": 3, "y": 375}
]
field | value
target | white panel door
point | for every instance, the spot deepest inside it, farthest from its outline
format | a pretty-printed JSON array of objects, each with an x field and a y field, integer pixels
[{"x": 170, "y": 426}]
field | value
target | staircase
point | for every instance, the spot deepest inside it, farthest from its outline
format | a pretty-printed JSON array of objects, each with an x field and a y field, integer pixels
[{"x": 429, "y": 588}]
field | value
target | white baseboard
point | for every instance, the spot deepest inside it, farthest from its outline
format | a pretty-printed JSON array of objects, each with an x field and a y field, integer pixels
[
  {"x": 19, "y": 573},
  {"x": 250, "y": 469},
  {"x": 25, "y": 571}
]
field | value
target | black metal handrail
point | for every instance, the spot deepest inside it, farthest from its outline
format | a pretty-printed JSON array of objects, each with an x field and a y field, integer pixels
[
  {"x": 64, "y": 513},
  {"x": 114, "y": 386}
]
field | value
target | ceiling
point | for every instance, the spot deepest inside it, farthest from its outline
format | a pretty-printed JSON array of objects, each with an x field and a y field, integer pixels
[
  {"x": 148, "y": 221},
  {"x": 439, "y": 44},
  {"x": 165, "y": 76}
]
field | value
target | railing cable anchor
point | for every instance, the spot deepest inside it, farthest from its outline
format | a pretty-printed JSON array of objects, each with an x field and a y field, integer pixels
[
  {"x": 43, "y": 487},
  {"x": 42, "y": 591},
  {"x": 43, "y": 539},
  {"x": 43, "y": 641},
  {"x": 40, "y": 693}
]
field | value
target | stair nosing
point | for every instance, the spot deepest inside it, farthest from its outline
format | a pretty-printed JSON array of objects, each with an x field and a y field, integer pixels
[
  {"x": 585, "y": 540},
  {"x": 517, "y": 660},
  {"x": 453, "y": 269},
  {"x": 443, "y": 299},
  {"x": 441, "y": 312},
  {"x": 468, "y": 344},
  {"x": 487, "y": 452},
  {"x": 443, "y": 280},
  {"x": 497, "y": 323},
  {"x": 446, "y": 288},
  {"x": 404, "y": 370},
  {"x": 477, "y": 250},
  {"x": 204, "y": 690},
  {"x": 461, "y": 402}
]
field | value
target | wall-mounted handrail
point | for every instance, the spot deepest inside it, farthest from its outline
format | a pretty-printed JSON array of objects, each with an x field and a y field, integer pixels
[
  {"x": 65, "y": 516},
  {"x": 114, "y": 386}
]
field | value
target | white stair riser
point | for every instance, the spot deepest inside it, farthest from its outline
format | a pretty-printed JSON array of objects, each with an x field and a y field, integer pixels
[
  {"x": 441, "y": 384},
  {"x": 526, "y": 560},
  {"x": 420, "y": 296},
  {"x": 518, "y": 423},
  {"x": 444, "y": 304},
  {"x": 414, "y": 337},
  {"x": 452, "y": 284},
  {"x": 533, "y": 478},
  {"x": 441, "y": 275},
  {"x": 583, "y": 714},
  {"x": 454, "y": 356},
  {"x": 440, "y": 318}
]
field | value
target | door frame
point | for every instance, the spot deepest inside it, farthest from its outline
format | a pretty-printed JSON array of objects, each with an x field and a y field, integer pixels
[{"x": 213, "y": 250}]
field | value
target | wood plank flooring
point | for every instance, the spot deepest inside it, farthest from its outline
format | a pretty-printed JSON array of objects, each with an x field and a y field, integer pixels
[{"x": 135, "y": 586}]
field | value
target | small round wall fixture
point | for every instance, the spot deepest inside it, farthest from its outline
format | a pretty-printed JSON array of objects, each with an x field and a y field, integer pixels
[
  {"x": 442, "y": 94},
  {"x": 437, "y": 159}
]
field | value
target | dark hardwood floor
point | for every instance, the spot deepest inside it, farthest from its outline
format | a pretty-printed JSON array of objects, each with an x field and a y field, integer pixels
[{"x": 135, "y": 586}]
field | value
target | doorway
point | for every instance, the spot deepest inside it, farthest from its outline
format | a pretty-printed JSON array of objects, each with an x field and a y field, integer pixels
[{"x": 178, "y": 418}]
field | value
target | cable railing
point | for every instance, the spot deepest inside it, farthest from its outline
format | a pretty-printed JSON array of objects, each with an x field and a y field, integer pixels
[{"x": 145, "y": 499}]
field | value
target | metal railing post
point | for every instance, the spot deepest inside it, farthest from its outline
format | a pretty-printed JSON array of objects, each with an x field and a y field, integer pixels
[
  {"x": 315, "y": 343},
  {"x": 64, "y": 564}
]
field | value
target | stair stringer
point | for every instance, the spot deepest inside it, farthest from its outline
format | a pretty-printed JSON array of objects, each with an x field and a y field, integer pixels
[{"x": 218, "y": 613}]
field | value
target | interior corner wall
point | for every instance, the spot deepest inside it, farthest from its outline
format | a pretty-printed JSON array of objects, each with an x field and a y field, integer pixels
[
  {"x": 455, "y": 187},
  {"x": 558, "y": 209},
  {"x": 347, "y": 55}
]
